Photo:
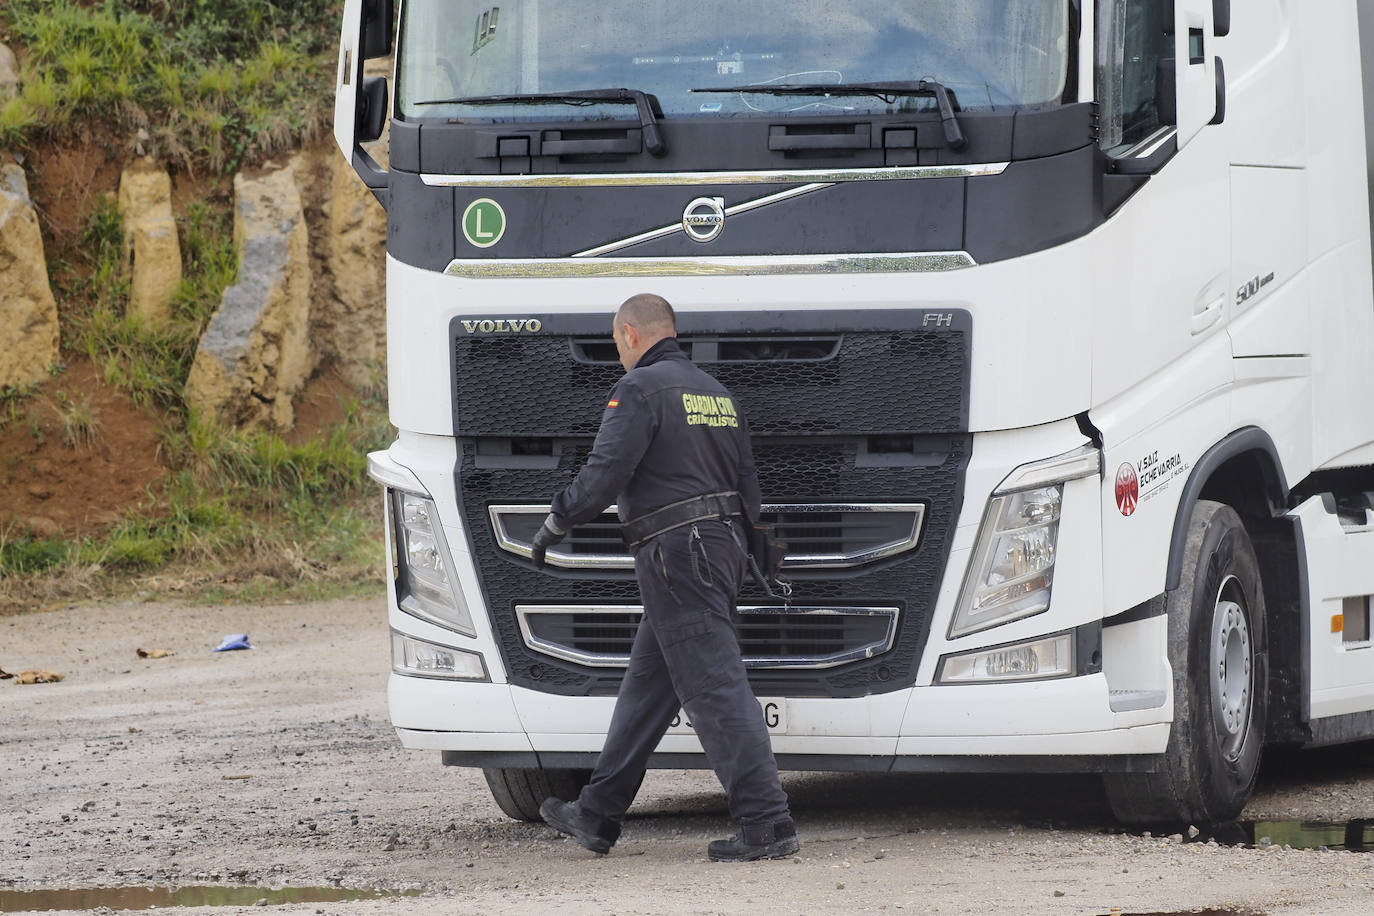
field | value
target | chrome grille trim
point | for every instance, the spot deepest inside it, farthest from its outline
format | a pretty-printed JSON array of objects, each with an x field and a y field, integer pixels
[
  {"x": 557, "y": 555},
  {"x": 525, "y": 615},
  {"x": 671, "y": 179},
  {"x": 731, "y": 265},
  {"x": 560, "y": 556}
]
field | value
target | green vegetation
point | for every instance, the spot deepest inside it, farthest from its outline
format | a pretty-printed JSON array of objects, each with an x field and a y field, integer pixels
[
  {"x": 314, "y": 533},
  {"x": 150, "y": 363},
  {"x": 213, "y": 86},
  {"x": 213, "y": 82},
  {"x": 80, "y": 425},
  {"x": 241, "y": 510}
]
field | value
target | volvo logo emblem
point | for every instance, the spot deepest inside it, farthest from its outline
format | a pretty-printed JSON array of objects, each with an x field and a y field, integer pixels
[
  {"x": 502, "y": 325},
  {"x": 704, "y": 219}
]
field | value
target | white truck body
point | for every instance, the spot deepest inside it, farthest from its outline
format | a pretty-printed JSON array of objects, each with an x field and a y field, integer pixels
[{"x": 1151, "y": 324}]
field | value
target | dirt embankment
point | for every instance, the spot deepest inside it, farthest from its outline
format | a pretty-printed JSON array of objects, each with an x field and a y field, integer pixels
[
  {"x": 276, "y": 766},
  {"x": 79, "y": 452}
]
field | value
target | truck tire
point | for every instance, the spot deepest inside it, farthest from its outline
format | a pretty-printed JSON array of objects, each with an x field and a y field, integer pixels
[
  {"x": 1218, "y": 650},
  {"x": 519, "y": 792}
]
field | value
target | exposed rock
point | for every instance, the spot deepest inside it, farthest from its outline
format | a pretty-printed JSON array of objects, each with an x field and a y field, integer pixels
[
  {"x": 348, "y": 252},
  {"x": 352, "y": 328},
  {"x": 150, "y": 241},
  {"x": 9, "y": 74},
  {"x": 28, "y": 312},
  {"x": 256, "y": 352}
]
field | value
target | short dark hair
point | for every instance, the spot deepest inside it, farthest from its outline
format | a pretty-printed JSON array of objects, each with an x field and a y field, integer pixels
[{"x": 648, "y": 312}]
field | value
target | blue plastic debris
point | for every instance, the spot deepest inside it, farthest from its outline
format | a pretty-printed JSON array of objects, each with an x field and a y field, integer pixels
[{"x": 233, "y": 641}]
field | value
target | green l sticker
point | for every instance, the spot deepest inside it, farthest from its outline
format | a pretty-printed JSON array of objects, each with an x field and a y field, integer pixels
[{"x": 484, "y": 222}]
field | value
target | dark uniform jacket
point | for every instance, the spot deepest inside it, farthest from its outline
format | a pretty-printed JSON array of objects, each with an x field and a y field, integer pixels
[{"x": 669, "y": 432}]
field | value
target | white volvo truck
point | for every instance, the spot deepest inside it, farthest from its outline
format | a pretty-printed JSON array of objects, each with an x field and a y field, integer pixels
[{"x": 1052, "y": 320}]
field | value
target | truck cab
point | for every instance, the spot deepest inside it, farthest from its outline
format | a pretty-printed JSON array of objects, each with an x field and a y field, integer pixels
[{"x": 1047, "y": 317}]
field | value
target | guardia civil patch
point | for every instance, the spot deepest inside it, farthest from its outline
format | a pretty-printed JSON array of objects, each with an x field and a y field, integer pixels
[{"x": 710, "y": 410}]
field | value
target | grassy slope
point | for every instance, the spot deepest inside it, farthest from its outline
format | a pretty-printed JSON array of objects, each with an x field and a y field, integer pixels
[{"x": 209, "y": 86}]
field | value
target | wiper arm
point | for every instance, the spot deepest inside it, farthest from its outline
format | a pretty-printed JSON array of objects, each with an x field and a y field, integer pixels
[
  {"x": 643, "y": 102},
  {"x": 887, "y": 91}
]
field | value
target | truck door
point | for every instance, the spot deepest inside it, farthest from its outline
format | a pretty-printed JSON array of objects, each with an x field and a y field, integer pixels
[
  {"x": 1199, "y": 104},
  {"x": 1171, "y": 274}
]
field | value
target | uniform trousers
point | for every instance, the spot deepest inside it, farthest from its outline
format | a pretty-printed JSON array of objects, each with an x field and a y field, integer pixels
[{"x": 686, "y": 654}]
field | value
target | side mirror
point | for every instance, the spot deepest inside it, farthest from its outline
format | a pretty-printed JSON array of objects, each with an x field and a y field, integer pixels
[
  {"x": 379, "y": 28},
  {"x": 372, "y": 107},
  {"x": 1221, "y": 18},
  {"x": 1220, "y": 116},
  {"x": 360, "y": 105}
]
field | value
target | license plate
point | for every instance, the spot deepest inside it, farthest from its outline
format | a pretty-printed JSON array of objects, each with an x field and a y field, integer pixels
[{"x": 774, "y": 716}]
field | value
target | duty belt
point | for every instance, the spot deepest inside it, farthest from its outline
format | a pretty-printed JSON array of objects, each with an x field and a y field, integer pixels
[{"x": 684, "y": 512}]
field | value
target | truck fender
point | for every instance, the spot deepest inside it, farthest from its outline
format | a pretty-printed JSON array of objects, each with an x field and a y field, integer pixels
[{"x": 1249, "y": 439}]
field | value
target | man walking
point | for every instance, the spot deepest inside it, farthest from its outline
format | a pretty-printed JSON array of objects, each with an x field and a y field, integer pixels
[{"x": 673, "y": 452}]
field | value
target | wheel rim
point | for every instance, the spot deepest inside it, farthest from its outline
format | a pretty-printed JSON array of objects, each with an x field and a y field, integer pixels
[{"x": 1232, "y": 668}]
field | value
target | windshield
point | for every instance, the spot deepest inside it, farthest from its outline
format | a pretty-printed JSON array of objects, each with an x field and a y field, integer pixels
[{"x": 989, "y": 53}]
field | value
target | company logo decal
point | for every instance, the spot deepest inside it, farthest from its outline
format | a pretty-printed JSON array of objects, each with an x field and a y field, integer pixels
[
  {"x": 1146, "y": 479},
  {"x": 484, "y": 222},
  {"x": 704, "y": 219},
  {"x": 1127, "y": 489},
  {"x": 502, "y": 325}
]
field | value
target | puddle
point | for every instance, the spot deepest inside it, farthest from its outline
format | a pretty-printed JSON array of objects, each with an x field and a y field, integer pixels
[
  {"x": 146, "y": 898},
  {"x": 1351, "y": 836},
  {"x": 1187, "y": 913}
]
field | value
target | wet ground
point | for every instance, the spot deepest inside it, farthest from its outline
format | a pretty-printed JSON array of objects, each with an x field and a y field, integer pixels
[{"x": 152, "y": 898}]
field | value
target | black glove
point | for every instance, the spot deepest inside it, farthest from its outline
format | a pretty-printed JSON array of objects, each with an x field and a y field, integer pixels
[{"x": 548, "y": 535}]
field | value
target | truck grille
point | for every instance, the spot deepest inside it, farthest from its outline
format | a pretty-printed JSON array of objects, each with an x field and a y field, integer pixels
[
  {"x": 859, "y": 421},
  {"x": 769, "y": 637}
]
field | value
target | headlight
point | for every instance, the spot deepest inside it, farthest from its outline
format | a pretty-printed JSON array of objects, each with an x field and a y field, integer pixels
[
  {"x": 1034, "y": 660},
  {"x": 417, "y": 658},
  {"x": 1012, "y": 568},
  {"x": 425, "y": 584}
]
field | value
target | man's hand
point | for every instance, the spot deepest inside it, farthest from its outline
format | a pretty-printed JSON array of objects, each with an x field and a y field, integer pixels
[{"x": 549, "y": 534}]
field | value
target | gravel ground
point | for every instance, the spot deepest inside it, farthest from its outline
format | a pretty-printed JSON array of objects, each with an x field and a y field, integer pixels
[{"x": 276, "y": 767}]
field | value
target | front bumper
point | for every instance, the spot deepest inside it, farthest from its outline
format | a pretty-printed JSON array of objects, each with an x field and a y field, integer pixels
[{"x": 1064, "y": 726}]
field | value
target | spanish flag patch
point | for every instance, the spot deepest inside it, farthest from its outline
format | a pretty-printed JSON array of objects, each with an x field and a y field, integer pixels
[{"x": 612, "y": 403}]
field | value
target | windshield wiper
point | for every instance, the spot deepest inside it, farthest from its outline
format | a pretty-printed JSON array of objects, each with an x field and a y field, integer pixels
[
  {"x": 887, "y": 91},
  {"x": 643, "y": 102}
]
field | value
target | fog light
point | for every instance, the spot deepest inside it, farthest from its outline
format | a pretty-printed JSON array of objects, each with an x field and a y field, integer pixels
[
  {"x": 1037, "y": 660},
  {"x": 416, "y": 658}
]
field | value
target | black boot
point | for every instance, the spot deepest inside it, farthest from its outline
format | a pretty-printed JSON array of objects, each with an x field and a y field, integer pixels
[
  {"x": 756, "y": 841},
  {"x": 594, "y": 833}
]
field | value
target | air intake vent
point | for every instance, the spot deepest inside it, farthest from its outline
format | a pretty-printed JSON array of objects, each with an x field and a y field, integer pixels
[{"x": 744, "y": 349}]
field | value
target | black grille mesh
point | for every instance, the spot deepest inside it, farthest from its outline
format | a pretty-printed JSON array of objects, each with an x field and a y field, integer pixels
[{"x": 876, "y": 382}]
